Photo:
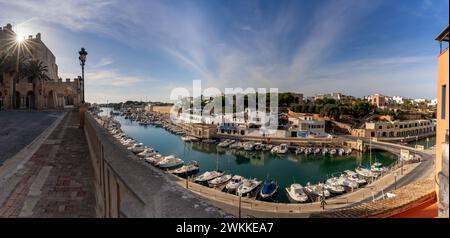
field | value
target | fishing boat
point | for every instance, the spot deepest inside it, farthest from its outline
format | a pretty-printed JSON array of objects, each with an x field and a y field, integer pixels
[
  {"x": 258, "y": 146},
  {"x": 208, "y": 175},
  {"x": 365, "y": 173},
  {"x": 220, "y": 180},
  {"x": 248, "y": 146},
  {"x": 137, "y": 148},
  {"x": 169, "y": 162},
  {"x": 146, "y": 153},
  {"x": 234, "y": 183},
  {"x": 334, "y": 186},
  {"x": 282, "y": 149},
  {"x": 353, "y": 176},
  {"x": 317, "y": 190},
  {"x": 378, "y": 168},
  {"x": 297, "y": 193},
  {"x": 269, "y": 189},
  {"x": 335, "y": 189},
  {"x": 332, "y": 151},
  {"x": 226, "y": 143},
  {"x": 235, "y": 145},
  {"x": 247, "y": 186},
  {"x": 316, "y": 151},
  {"x": 348, "y": 151},
  {"x": 299, "y": 150},
  {"x": 346, "y": 182},
  {"x": 267, "y": 147},
  {"x": 187, "y": 169},
  {"x": 154, "y": 159},
  {"x": 308, "y": 151},
  {"x": 275, "y": 149}
]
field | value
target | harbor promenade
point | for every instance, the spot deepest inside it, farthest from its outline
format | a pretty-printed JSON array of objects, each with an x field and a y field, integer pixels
[
  {"x": 52, "y": 176},
  {"x": 255, "y": 208}
]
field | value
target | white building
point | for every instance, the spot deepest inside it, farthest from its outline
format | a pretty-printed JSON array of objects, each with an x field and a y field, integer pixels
[
  {"x": 397, "y": 99},
  {"x": 306, "y": 126},
  {"x": 432, "y": 103}
]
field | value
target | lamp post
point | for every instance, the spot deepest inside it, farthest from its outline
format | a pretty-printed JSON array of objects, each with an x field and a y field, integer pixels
[{"x": 83, "y": 53}]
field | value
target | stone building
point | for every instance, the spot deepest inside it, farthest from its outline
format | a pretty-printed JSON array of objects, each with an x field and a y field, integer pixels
[
  {"x": 52, "y": 94},
  {"x": 396, "y": 129}
]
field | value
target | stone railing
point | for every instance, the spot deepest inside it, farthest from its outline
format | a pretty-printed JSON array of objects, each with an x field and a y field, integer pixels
[{"x": 127, "y": 187}]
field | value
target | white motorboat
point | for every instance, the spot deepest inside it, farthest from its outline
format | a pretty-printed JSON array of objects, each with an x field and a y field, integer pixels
[
  {"x": 334, "y": 186},
  {"x": 234, "y": 183},
  {"x": 235, "y": 145},
  {"x": 299, "y": 150},
  {"x": 346, "y": 182},
  {"x": 378, "y": 168},
  {"x": 348, "y": 151},
  {"x": 208, "y": 175},
  {"x": 275, "y": 149},
  {"x": 146, "y": 153},
  {"x": 308, "y": 151},
  {"x": 187, "y": 169},
  {"x": 324, "y": 151},
  {"x": 220, "y": 180},
  {"x": 267, "y": 147},
  {"x": 365, "y": 173},
  {"x": 154, "y": 159},
  {"x": 248, "y": 146},
  {"x": 247, "y": 186},
  {"x": 340, "y": 151},
  {"x": 226, "y": 143},
  {"x": 137, "y": 148},
  {"x": 169, "y": 162},
  {"x": 335, "y": 189},
  {"x": 282, "y": 149},
  {"x": 296, "y": 193},
  {"x": 332, "y": 151},
  {"x": 316, "y": 151},
  {"x": 317, "y": 190},
  {"x": 258, "y": 146}
]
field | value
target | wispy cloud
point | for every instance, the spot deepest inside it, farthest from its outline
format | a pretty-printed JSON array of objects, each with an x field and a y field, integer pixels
[{"x": 112, "y": 79}]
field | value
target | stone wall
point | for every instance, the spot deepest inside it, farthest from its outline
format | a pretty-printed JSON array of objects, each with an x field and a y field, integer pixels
[
  {"x": 443, "y": 183},
  {"x": 127, "y": 187}
]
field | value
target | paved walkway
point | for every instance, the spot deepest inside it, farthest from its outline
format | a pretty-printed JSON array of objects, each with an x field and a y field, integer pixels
[{"x": 57, "y": 181}]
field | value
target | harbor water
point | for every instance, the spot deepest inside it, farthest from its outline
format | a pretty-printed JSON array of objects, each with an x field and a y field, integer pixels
[{"x": 285, "y": 169}]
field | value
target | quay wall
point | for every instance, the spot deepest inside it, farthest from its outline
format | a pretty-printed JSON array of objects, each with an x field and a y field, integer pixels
[{"x": 128, "y": 187}]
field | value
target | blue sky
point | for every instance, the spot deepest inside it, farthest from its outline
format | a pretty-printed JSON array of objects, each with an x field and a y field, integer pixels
[{"x": 141, "y": 50}]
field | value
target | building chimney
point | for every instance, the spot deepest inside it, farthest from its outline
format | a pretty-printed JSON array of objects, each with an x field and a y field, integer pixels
[
  {"x": 30, "y": 37},
  {"x": 38, "y": 36},
  {"x": 8, "y": 26}
]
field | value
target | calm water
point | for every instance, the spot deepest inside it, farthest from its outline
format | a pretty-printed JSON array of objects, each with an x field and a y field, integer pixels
[
  {"x": 427, "y": 144},
  {"x": 283, "y": 168}
]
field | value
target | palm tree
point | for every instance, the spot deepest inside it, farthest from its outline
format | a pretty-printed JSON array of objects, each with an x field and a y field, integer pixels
[
  {"x": 36, "y": 71},
  {"x": 11, "y": 64}
]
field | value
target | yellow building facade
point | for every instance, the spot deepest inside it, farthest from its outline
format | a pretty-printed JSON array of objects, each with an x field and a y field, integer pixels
[{"x": 442, "y": 133}]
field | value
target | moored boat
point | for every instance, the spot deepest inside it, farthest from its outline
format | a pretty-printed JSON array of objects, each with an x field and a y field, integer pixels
[
  {"x": 220, "y": 180},
  {"x": 234, "y": 183},
  {"x": 247, "y": 186},
  {"x": 169, "y": 162},
  {"x": 269, "y": 189},
  {"x": 296, "y": 193},
  {"x": 208, "y": 175},
  {"x": 187, "y": 169}
]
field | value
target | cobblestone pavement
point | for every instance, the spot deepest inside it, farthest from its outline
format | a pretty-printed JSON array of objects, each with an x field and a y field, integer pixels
[
  {"x": 58, "y": 179},
  {"x": 19, "y": 128}
]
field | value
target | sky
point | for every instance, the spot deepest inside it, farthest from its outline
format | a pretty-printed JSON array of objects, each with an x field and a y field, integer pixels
[{"x": 142, "y": 50}]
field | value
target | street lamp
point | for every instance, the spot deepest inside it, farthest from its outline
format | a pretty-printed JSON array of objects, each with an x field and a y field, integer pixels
[{"x": 83, "y": 53}]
